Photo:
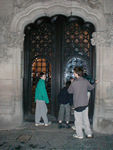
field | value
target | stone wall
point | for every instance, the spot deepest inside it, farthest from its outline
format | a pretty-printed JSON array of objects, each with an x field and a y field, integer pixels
[
  {"x": 15, "y": 15},
  {"x": 10, "y": 72}
]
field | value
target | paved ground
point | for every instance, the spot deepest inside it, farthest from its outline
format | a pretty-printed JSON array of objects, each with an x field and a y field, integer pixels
[{"x": 29, "y": 137}]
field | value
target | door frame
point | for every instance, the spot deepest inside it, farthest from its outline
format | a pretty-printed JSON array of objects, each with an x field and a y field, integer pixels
[{"x": 57, "y": 68}]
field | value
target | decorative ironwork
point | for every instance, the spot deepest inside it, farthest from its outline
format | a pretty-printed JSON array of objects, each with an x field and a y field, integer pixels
[
  {"x": 42, "y": 51},
  {"x": 77, "y": 45},
  {"x": 41, "y": 40},
  {"x": 55, "y": 46},
  {"x": 77, "y": 40}
]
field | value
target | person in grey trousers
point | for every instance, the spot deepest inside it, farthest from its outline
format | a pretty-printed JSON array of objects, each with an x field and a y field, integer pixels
[
  {"x": 65, "y": 100},
  {"x": 79, "y": 88},
  {"x": 41, "y": 99}
]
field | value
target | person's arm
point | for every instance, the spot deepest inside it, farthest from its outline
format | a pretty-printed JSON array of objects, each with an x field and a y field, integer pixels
[
  {"x": 59, "y": 97},
  {"x": 70, "y": 97},
  {"x": 36, "y": 93},
  {"x": 45, "y": 95},
  {"x": 70, "y": 89},
  {"x": 90, "y": 86}
]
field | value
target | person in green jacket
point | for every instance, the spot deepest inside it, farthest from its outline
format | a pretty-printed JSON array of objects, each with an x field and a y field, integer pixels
[{"x": 41, "y": 98}]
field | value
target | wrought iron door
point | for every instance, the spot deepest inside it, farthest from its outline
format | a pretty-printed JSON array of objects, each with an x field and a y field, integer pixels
[
  {"x": 77, "y": 47},
  {"x": 55, "y": 46},
  {"x": 39, "y": 52},
  {"x": 78, "y": 51}
]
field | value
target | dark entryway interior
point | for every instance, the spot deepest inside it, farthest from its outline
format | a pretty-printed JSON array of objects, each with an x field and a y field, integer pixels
[{"x": 55, "y": 45}]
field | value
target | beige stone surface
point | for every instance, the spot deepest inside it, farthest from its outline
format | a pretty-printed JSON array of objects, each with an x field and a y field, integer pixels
[
  {"x": 6, "y": 71},
  {"x": 6, "y": 7},
  {"x": 15, "y": 15}
]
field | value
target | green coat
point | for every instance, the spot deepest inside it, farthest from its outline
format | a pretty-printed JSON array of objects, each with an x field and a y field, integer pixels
[{"x": 40, "y": 91}]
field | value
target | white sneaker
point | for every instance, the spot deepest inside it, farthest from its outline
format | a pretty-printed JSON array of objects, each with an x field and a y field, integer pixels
[
  {"x": 89, "y": 136},
  {"x": 73, "y": 127},
  {"x": 39, "y": 124},
  {"x": 78, "y": 137},
  {"x": 49, "y": 123}
]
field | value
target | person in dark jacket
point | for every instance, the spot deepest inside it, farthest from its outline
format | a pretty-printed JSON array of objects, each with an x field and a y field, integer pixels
[
  {"x": 65, "y": 100},
  {"x": 79, "y": 88}
]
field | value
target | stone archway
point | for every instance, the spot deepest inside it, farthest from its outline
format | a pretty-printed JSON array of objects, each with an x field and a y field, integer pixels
[{"x": 36, "y": 10}]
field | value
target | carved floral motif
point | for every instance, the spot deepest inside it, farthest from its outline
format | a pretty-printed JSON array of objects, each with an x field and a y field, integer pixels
[
  {"x": 94, "y": 3},
  {"x": 20, "y": 4},
  {"x": 4, "y": 24},
  {"x": 104, "y": 37},
  {"x": 15, "y": 39},
  {"x": 98, "y": 38}
]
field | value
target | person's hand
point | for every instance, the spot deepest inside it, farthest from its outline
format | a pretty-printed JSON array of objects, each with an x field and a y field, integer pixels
[
  {"x": 72, "y": 108},
  {"x": 97, "y": 81}
]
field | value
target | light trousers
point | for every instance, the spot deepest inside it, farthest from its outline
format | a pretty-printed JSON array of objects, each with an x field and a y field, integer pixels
[
  {"x": 41, "y": 111},
  {"x": 82, "y": 122},
  {"x": 64, "y": 112}
]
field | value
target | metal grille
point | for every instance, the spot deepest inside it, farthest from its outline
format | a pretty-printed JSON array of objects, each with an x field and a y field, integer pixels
[
  {"x": 55, "y": 45},
  {"x": 77, "y": 39},
  {"x": 41, "y": 39},
  {"x": 41, "y": 52},
  {"x": 77, "y": 46}
]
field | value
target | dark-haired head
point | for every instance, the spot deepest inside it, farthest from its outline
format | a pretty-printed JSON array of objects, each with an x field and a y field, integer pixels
[
  {"x": 68, "y": 84},
  {"x": 41, "y": 74},
  {"x": 79, "y": 71}
]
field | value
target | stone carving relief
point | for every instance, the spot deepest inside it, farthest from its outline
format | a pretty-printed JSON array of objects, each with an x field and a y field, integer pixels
[
  {"x": 8, "y": 39},
  {"x": 4, "y": 23},
  {"x": 3, "y": 30},
  {"x": 111, "y": 33},
  {"x": 12, "y": 39},
  {"x": 3, "y": 52},
  {"x": 19, "y": 5},
  {"x": 104, "y": 37},
  {"x": 95, "y": 4},
  {"x": 15, "y": 39},
  {"x": 101, "y": 38},
  {"x": 111, "y": 36}
]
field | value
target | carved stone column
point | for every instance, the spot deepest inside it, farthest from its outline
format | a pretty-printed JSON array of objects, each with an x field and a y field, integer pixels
[{"x": 103, "y": 41}]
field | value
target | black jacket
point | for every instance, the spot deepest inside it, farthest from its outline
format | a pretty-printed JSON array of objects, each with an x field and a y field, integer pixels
[{"x": 64, "y": 97}]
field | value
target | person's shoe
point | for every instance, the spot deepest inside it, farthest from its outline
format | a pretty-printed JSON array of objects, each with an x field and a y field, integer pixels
[
  {"x": 39, "y": 124},
  {"x": 67, "y": 125},
  {"x": 89, "y": 136},
  {"x": 78, "y": 137},
  {"x": 73, "y": 127},
  {"x": 49, "y": 123}
]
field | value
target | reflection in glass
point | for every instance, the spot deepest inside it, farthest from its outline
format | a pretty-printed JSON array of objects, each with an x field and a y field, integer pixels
[{"x": 71, "y": 64}]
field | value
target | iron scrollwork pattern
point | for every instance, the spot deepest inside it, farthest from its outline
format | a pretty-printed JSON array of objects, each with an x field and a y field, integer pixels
[
  {"x": 78, "y": 48},
  {"x": 41, "y": 53},
  {"x": 42, "y": 41}
]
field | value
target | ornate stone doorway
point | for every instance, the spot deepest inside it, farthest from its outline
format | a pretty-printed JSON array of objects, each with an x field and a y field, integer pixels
[{"x": 51, "y": 43}]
